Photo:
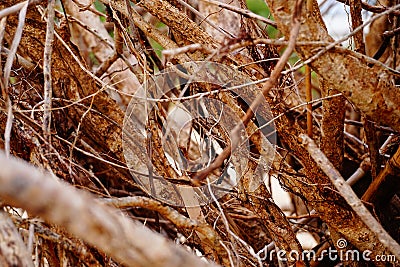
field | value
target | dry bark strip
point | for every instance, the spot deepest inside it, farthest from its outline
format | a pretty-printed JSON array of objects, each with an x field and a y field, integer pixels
[
  {"x": 24, "y": 186},
  {"x": 332, "y": 124}
]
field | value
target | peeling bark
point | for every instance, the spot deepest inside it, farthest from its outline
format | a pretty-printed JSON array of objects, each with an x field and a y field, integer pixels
[{"x": 365, "y": 83}]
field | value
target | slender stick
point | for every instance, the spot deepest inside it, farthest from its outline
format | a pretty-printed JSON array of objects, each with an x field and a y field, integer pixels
[
  {"x": 309, "y": 99},
  {"x": 48, "y": 48},
  {"x": 310, "y": 4}
]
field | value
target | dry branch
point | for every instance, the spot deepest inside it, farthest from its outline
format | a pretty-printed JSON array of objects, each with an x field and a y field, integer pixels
[
  {"x": 243, "y": 12},
  {"x": 97, "y": 128},
  {"x": 24, "y": 186},
  {"x": 17, "y": 7},
  {"x": 211, "y": 237},
  {"x": 48, "y": 88},
  {"x": 351, "y": 198},
  {"x": 385, "y": 184}
]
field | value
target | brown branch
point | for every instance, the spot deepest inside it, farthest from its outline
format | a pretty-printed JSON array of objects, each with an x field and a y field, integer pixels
[
  {"x": 48, "y": 87},
  {"x": 308, "y": 85},
  {"x": 332, "y": 125},
  {"x": 372, "y": 140},
  {"x": 351, "y": 198},
  {"x": 17, "y": 7},
  {"x": 178, "y": 21},
  {"x": 309, "y": 99},
  {"x": 356, "y": 21},
  {"x": 370, "y": 132},
  {"x": 211, "y": 237},
  {"x": 80, "y": 214},
  {"x": 386, "y": 183}
]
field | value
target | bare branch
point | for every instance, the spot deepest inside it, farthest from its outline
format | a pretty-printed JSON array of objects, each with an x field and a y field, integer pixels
[
  {"x": 351, "y": 198},
  {"x": 17, "y": 7},
  {"x": 48, "y": 88},
  {"x": 212, "y": 237},
  {"x": 83, "y": 217},
  {"x": 384, "y": 185}
]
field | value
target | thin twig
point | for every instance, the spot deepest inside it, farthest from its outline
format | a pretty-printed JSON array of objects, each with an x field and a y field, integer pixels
[
  {"x": 204, "y": 18},
  {"x": 308, "y": 85},
  {"x": 309, "y": 99},
  {"x": 7, "y": 71},
  {"x": 77, "y": 135},
  {"x": 48, "y": 88},
  {"x": 243, "y": 12}
]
